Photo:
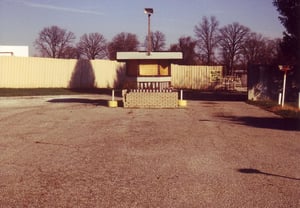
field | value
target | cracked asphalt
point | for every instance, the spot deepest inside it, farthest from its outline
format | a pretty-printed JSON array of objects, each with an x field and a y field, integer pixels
[{"x": 74, "y": 151}]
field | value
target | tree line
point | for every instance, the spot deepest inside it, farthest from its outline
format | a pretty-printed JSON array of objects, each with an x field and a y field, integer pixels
[{"x": 233, "y": 45}]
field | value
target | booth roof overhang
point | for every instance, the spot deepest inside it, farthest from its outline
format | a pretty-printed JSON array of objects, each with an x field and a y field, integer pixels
[{"x": 153, "y": 56}]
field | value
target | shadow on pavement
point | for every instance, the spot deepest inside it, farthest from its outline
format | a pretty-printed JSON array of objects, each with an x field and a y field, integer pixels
[
  {"x": 100, "y": 91},
  {"x": 288, "y": 124},
  {"x": 96, "y": 102},
  {"x": 255, "y": 171},
  {"x": 214, "y": 95}
]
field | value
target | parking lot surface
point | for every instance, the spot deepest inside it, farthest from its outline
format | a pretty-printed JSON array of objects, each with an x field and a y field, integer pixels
[{"x": 74, "y": 151}]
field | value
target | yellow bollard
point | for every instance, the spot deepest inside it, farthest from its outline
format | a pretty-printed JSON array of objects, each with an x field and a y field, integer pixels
[
  {"x": 113, "y": 103},
  {"x": 181, "y": 102}
]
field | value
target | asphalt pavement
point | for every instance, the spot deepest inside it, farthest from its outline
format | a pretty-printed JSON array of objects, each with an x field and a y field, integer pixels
[{"x": 74, "y": 151}]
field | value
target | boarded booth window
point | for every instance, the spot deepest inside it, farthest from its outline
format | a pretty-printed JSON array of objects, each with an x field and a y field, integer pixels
[
  {"x": 164, "y": 68},
  {"x": 148, "y": 68}
]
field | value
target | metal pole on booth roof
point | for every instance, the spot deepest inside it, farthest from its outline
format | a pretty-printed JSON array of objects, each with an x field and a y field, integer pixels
[
  {"x": 149, "y": 11},
  {"x": 149, "y": 35},
  {"x": 113, "y": 95},
  {"x": 283, "y": 91}
]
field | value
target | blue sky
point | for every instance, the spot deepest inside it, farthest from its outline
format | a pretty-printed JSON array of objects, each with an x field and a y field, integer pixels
[{"x": 22, "y": 20}]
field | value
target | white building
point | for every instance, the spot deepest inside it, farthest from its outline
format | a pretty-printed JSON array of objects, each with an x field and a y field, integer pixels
[{"x": 22, "y": 51}]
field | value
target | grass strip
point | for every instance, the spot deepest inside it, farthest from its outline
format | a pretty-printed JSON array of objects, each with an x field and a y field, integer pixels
[{"x": 290, "y": 110}]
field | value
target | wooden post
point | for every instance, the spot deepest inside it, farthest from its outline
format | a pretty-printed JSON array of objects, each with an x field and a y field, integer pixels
[
  {"x": 181, "y": 94},
  {"x": 279, "y": 99}
]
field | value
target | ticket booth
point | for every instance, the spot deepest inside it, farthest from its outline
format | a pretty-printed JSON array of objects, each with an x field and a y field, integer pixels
[
  {"x": 152, "y": 72},
  {"x": 148, "y": 79}
]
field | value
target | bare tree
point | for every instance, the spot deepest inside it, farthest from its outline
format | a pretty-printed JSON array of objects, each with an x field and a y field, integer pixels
[
  {"x": 254, "y": 49},
  {"x": 53, "y": 42},
  {"x": 158, "y": 40},
  {"x": 70, "y": 52},
  {"x": 92, "y": 46},
  {"x": 260, "y": 50},
  {"x": 207, "y": 42},
  {"x": 122, "y": 42},
  {"x": 273, "y": 51},
  {"x": 186, "y": 45},
  {"x": 232, "y": 37}
]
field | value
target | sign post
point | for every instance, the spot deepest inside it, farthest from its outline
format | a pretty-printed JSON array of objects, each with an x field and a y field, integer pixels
[{"x": 284, "y": 68}]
